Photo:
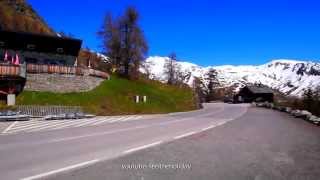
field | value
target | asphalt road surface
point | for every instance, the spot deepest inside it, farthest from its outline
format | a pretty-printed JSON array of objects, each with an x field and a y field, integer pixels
[{"x": 221, "y": 141}]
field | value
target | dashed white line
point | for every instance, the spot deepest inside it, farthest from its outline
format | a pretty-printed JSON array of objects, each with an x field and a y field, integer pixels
[
  {"x": 210, "y": 127},
  {"x": 9, "y": 127},
  {"x": 42, "y": 175},
  {"x": 142, "y": 147},
  {"x": 185, "y": 135},
  {"x": 221, "y": 123}
]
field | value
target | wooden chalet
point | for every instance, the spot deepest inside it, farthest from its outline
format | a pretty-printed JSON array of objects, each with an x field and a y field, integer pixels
[
  {"x": 254, "y": 93},
  {"x": 26, "y": 52}
]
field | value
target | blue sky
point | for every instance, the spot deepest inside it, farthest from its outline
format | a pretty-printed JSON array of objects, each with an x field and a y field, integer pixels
[{"x": 202, "y": 31}]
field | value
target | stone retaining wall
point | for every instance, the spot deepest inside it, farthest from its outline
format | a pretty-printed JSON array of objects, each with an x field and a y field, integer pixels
[
  {"x": 303, "y": 114},
  {"x": 61, "y": 83}
]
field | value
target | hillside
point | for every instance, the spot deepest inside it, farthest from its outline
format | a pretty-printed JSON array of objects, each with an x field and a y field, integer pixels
[
  {"x": 18, "y": 15},
  {"x": 116, "y": 96},
  {"x": 111, "y": 97},
  {"x": 291, "y": 77}
]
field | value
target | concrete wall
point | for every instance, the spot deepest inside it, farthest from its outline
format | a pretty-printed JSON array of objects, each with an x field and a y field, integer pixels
[{"x": 61, "y": 83}]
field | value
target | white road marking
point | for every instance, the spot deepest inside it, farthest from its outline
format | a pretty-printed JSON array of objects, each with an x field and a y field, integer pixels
[
  {"x": 210, "y": 127},
  {"x": 67, "y": 124},
  {"x": 32, "y": 121},
  {"x": 9, "y": 127},
  {"x": 52, "y": 126},
  {"x": 28, "y": 125},
  {"x": 39, "y": 126},
  {"x": 142, "y": 147},
  {"x": 42, "y": 175},
  {"x": 95, "y": 134},
  {"x": 103, "y": 121},
  {"x": 90, "y": 121},
  {"x": 126, "y": 119},
  {"x": 73, "y": 123},
  {"x": 136, "y": 118},
  {"x": 221, "y": 123},
  {"x": 185, "y": 135},
  {"x": 117, "y": 119},
  {"x": 47, "y": 123}
]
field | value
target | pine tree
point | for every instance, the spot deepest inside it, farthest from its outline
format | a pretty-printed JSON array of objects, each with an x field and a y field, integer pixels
[
  {"x": 211, "y": 77},
  {"x": 317, "y": 101},
  {"x": 308, "y": 98}
]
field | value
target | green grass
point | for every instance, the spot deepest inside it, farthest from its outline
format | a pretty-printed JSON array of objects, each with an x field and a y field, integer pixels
[{"x": 116, "y": 96}]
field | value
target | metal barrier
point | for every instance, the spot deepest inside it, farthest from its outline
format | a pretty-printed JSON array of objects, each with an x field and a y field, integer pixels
[{"x": 47, "y": 110}]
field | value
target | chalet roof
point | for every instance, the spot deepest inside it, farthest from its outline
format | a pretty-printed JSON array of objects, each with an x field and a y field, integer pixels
[
  {"x": 39, "y": 43},
  {"x": 259, "y": 89}
]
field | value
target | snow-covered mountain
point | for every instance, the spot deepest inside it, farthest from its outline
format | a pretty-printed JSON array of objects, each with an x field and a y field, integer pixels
[{"x": 290, "y": 77}]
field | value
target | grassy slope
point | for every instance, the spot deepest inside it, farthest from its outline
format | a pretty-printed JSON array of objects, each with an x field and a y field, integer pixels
[{"x": 116, "y": 97}]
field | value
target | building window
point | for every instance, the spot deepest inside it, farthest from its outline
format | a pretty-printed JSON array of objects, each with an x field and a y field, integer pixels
[
  {"x": 59, "y": 50},
  {"x": 31, "y": 46},
  {"x": 31, "y": 60},
  {"x": 1, "y": 43}
]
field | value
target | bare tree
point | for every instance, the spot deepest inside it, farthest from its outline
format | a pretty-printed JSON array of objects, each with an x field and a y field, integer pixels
[
  {"x": 181, "y": 76},
  {"x": 124, "y": 41},
  {"x": 170, "y": 67},
  {"x": 111, "y": 39}
]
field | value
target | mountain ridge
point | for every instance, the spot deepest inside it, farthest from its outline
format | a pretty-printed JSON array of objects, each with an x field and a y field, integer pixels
[{"x": 291, "y": 77}]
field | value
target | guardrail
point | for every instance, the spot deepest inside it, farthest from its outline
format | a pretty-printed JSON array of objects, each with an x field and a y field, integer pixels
[
  {"x": 47, "y": 110},
  {"x": 57, "y": 69}
]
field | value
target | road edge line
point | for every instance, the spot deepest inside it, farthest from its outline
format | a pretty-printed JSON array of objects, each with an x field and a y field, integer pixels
[
  {"x": 186, "y": 134},
  {"x": 79, "y": 165},
  {"x": 142, "y": 147},
  {"x": 210, "y": 127}
]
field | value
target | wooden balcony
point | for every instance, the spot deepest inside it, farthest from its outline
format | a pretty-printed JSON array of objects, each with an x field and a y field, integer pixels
[
  {"x": 12, "y": 71},
  {"x": 68, "y": 70}
]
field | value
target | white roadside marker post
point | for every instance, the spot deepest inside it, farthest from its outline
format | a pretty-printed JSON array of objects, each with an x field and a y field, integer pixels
[
  {"x": 137, "y": 99},
  {"x": 11, "y": 99},
  {"x": 144, "y": 99}
]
